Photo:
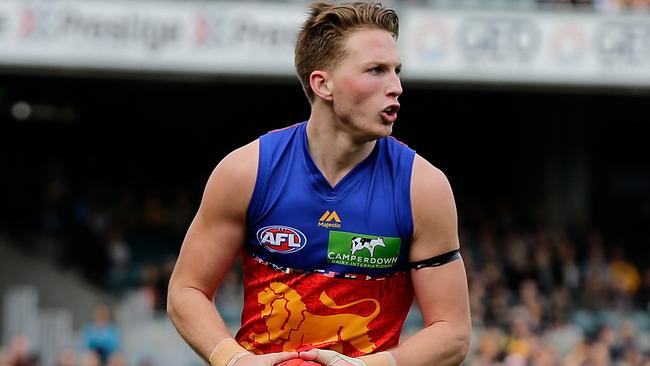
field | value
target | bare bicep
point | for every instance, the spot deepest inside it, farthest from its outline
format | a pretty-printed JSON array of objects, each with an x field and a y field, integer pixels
[
  {"x": 434, "y": 213},
  {"x": 217, "y": 233}
]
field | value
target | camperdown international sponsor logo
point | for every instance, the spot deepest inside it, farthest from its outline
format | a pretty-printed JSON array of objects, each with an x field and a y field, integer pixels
[
  {"x": 330, "y": 220},
  {"x": 281, "y": 239},
  {"x": 359, "y": 250}
]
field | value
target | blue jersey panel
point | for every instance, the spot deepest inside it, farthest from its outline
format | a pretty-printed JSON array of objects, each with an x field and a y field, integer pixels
[{"x": 297, "y": 220}]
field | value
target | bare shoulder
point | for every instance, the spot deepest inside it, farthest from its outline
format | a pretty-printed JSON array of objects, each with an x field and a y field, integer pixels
[
  {"x": 427, "y": 177},
  {"x": 232, "y": 181},
  {"x": 242, "y": 161},
  {"x": 434, "y": 211}
]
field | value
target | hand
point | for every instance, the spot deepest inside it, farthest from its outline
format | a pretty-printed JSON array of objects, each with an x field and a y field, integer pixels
[
  {"x": 270, "y": 359},
  {"x": 330, "y": 358}
]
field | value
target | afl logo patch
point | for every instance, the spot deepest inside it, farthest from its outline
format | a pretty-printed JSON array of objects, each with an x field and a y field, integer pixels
[{"x": 281, "y": 239}]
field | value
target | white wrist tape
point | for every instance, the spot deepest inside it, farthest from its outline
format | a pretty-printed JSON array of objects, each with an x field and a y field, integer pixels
[
  {"x": 329, "y": 358},
  {"x": 236, "y": 358},
  {"x": 226, "y": 353}
]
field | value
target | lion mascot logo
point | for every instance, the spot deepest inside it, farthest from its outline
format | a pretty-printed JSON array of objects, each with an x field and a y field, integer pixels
[{"x": 289, "y": 322}]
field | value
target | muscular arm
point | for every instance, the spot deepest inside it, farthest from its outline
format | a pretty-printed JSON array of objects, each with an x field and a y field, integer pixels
[
  {"x": 211, "y": 245},
  {"x": 441, "y": 292}
]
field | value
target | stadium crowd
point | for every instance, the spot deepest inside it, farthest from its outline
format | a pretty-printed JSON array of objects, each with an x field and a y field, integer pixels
[{"x": 539, "y": 295}]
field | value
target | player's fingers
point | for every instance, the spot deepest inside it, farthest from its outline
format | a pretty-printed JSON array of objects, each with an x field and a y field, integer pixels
[
  {"x": 324, "y": 357},
  {"x": 277, "y": 358},
  {"x": 310, "y": 355}
]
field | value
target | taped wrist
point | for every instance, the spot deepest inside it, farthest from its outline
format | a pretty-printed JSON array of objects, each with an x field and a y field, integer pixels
[
  {"x": 379, "y": 359},
  {"x": 226, "y": 353},
  {"x": 329, "y": 358}
]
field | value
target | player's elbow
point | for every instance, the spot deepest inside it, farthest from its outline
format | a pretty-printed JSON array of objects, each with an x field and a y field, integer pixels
[
  {"x": 172, "y": 299},
  {"x": 461, "y": 344},
  {"x": 171, "y": 313}
]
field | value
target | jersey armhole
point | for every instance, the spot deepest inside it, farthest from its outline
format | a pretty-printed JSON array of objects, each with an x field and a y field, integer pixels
[{"x": 260, "y": 183}]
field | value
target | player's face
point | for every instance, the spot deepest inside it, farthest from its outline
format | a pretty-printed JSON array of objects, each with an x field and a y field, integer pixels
[{"x": 365, "y": 84}]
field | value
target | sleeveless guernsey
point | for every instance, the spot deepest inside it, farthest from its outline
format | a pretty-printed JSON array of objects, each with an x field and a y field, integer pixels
[{"x": 326, "y": 266}]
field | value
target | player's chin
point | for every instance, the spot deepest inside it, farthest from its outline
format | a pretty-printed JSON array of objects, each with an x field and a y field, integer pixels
[
  {"x": 385, "y": 129},
  {"x": 388, "y": 119}
]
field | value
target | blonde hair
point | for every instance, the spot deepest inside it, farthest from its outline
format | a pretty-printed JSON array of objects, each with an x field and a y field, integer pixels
[{"x": 321, "y": 38}]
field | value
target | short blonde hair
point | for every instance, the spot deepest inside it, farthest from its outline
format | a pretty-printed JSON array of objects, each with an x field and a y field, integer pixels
[{"x": 321, "y": 38}]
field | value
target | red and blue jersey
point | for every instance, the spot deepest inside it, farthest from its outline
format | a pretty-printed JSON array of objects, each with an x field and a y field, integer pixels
[{"x": 327, "y": 266}]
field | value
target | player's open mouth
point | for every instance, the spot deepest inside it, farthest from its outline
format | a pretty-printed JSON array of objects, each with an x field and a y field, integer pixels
[{"x": 389, "y": 113}]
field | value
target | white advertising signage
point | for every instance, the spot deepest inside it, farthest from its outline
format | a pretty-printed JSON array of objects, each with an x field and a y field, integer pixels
[
  {"x": 564, "y": 48},
  {"x": 257, "y": 38},
  {"x": 215, "y": 37}
]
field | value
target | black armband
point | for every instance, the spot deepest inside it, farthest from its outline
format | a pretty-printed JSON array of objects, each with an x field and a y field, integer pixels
[{"x": 436, "y": 261}]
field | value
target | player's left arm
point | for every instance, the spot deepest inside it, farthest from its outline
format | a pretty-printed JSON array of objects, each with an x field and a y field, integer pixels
[{"x": 440, "y": 288}]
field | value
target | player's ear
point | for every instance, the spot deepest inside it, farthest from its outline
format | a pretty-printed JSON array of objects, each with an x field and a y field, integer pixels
[{"x": 319, "y": 81}]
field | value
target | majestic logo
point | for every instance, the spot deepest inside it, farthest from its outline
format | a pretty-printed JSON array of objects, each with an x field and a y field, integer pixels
[
  {"x": 330, "y": 220},
  {"x": 358, "y": 250},
  {"x": 281, "y": 239},
  {"x": 289, "y": 322}
]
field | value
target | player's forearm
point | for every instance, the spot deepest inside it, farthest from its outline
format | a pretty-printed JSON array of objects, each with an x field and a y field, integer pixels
[
  {"x": 196, "y": 319},
  {"x": 440, "y": 344}
]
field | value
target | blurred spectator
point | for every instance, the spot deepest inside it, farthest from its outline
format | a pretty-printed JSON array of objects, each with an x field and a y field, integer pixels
[
  {"x": 517, "y": 261},
  {"x": 544, "y": 272},
  {"x": 644, "y": 292},
  {"x": 544, "y": 356},
  {"x": 21, "y": 353},
  {"x": 533, "y": 304},
  {"x": 477, "y": 301},
  {"x": 607, "y": 338},
  {"x": 67, "y": 357},
  {"x": 596, "y": 275},
  {"x": 577, "y": 356},
  {"x": 119, "y": 257},
  {"x": 101, "y": 336},
  {"x": 597, "y": 355},
  {"x": 567, "y": 266},
  {"x": 521, "y": 342},
  {"x": 146, "y": 362},
  {"x": 183, "y": 212},
  {"x": 566, "y": 2},
  {"x": 625, "y": 278},
  {"x": 488, "y": 349},
  {"x": 90, "y": 358},
  {"x": 619, "y": 5},
  {"x": 150, "y": 285},
  {"x": 154, "y": 214},
  {"x": 117, "y": 359},
  {"x": 560, "y": 333}
]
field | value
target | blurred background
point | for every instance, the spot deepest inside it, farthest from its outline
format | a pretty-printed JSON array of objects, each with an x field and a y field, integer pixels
[{"x": 114, "y": 113}]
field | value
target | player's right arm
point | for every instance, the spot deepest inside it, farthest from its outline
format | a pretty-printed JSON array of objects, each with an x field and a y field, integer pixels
[{"x": 213, "y": 240}]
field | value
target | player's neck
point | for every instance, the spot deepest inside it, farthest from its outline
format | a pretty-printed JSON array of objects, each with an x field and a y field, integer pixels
[{"x": 334, "y": 151}]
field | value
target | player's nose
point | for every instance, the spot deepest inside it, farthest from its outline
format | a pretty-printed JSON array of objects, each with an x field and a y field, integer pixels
[{"x": 394, "y": 87}]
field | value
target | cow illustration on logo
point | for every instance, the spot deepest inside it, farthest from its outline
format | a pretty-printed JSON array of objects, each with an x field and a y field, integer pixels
[
  {"x": 358, "y": 244},
  {"x": 289, "y": 322}
]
